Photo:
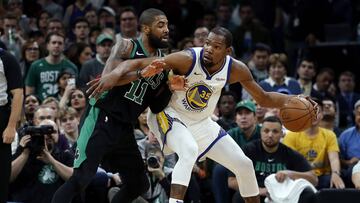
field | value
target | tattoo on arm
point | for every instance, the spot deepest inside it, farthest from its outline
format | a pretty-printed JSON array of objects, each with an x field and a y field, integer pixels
[{"x": 120, "y": 52}]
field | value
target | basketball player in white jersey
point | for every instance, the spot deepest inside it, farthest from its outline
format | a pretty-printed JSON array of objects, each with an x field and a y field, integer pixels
[{"x": 184, "y": 126}]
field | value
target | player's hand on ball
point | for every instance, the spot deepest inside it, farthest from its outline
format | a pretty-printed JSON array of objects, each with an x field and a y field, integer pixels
[
  {"x": 177, "y": 83},
  {"x": 315, "y": 106},
  {"x": 156, "y": 67}
]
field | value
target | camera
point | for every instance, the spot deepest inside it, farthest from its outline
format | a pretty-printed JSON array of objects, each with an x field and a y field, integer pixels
[
  {"x": 153, "y": 161},
  {"x": 37, "y": 134}
]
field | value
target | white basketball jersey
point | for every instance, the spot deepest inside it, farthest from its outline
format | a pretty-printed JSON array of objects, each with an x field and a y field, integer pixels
[{"x": 199, "y": 100}]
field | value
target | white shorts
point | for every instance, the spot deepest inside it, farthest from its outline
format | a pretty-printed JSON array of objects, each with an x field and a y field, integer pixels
[{"x": 206, "y": 132}]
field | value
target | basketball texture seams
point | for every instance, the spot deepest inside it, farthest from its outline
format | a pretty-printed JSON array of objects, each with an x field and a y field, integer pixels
[{"x": 297, "y": 114}]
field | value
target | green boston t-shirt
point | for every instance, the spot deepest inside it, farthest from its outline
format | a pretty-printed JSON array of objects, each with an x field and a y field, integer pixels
[{"x": 43, "y": 76}]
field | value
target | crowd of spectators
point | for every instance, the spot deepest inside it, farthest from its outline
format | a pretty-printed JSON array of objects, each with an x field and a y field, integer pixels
[{"x": 61, "y": 45}]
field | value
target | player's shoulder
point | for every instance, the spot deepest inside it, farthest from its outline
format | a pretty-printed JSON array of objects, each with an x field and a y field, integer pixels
[
  {"x": 123, "y": 47},
  {"x": 236, "y": 63}
]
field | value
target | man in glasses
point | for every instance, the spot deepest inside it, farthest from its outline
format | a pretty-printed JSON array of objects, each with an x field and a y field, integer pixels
[{"x": 128, "y": 24}]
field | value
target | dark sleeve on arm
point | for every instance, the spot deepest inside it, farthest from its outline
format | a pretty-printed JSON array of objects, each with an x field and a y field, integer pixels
[
  {"x": 165, "y": 184},
  {"x": 12, "y": 71}
]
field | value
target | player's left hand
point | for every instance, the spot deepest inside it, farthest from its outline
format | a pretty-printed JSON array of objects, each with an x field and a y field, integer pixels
[
  {"x": 177, "y": 83},
  {"x": 154, "y": 68},
  {"x": 100, "y": 85}
]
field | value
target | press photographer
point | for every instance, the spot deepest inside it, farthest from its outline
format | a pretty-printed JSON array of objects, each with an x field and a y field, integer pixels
[{"x": 39, "y": 166}]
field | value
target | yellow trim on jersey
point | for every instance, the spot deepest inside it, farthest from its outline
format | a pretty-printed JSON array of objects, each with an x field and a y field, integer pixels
[{"x": 163, "y": 122}]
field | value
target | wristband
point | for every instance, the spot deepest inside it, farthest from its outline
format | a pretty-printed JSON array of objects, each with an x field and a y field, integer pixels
[
  {"x": 138, "y": 74},
  {"x": 336, "y": 172}
]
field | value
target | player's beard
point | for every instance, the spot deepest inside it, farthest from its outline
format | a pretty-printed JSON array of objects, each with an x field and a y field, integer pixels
[
  {"x": 207, "y": 64},
  {"x": 157, "y": 42}
]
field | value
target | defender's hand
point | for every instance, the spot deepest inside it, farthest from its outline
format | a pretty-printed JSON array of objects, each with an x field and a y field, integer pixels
[
  {"x": 100, "y": 85},
  {"x": 177, "y": 83},
  {"x": 155, "y": 67}
]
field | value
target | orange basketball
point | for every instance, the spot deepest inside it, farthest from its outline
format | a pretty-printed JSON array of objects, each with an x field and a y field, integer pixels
[{"x": 297, "y": 114}]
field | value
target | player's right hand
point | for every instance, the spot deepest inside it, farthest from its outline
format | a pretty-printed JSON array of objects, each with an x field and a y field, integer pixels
[
  {"x": 155, "y": 67},
  {"x": 100, "y": 85}
]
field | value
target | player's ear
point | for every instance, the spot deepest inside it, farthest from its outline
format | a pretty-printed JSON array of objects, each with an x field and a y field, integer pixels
[
  {"x": 229, "y": 51},
  {"x": 146, "y": 29}
]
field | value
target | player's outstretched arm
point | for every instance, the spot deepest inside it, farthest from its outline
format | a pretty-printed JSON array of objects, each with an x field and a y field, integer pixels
[
  {"x": 131, "y": 70},
  {"x": 240, "y": 73}
]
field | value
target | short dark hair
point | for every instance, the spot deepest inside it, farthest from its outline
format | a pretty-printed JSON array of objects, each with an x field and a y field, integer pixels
[
  {"x": 261, "y": 47},
  {"x": 227, "y": 93},
  {"x": 349, "y": 74},
  {"x": 272, "y": 119},
  {"x": 80, "y": 20},
  {"x": 326, "y": 70},
  {"x": 128, "y": 9},
  {"x": 225, "y": 33},
  {"x": 48, "y": 37},
  {"x": 309, "y": 59},
  {"x": 147, "y": 17}
]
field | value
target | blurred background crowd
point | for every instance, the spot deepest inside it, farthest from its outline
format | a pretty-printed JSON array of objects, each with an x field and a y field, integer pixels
[{"x": 290, "y": 46}]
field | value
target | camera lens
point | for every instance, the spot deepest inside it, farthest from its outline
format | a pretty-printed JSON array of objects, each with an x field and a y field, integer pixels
[{"x": 153, "y": 162}]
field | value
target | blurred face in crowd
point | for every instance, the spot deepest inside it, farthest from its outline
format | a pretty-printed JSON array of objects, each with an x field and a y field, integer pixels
[
  {"x": 143, "y": 117},
  {"x": 209, "y": 21},
  {"x": 277, "y": 71},
  {"x": 328, "y": 107},
  {"x": 53, "y": 105},
  {"x": 346, "y": 83},
  {"x": 260, "y": 111},
  {"x": 306, "y": 70},
  {"x": 246, "y": 14},
  {"x": 271, "y": 133},
  {"x": 10, "y": 24},
  {"x": 245, "y": 118},
  {"x": 69, "y": 123},
  {"x": 52, "y": 139},
  {"x": 200, "y": 36},
  {"x": 44, "y": 113},
  {"x": 106, "y": 19},
  {"x": 357, "y": 116},
  {"x": 16, "y": 7},
  {"x": 55, "y": 46},
  {"x": 92, "y": 18},
  {"x": 158, "y": 32},
  {"x": 77, "y": 100},
  {"x": 81, "y": 30},
  {"x": 63, "y": 80},
  {"x": 323, "y": 81},
  {"x": 104, "y": 49},
  {"x": 227, "y": 105},
  {"x": 85, "y": 55},
  {"x": 224, "y": 13},
  {"x": 32, "y": 52},
  {"x": 128, "y": 22},
  {"x": 31, "y": 103},
  {"x": 55, "y": 27},
  {"x": 260, "y": 59},
  {"x": 43, "y": 20}
]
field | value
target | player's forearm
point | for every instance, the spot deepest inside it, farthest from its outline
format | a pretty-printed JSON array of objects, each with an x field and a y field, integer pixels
[
  {"x": 18, "y": 164},
  {"x": 309, "y": 176},
  {"x": 272, "y": 99},
  {"x": 16, "y": 107},
  {"x": 64, "y": 171},
  {"x": 111, "y": 65}
]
